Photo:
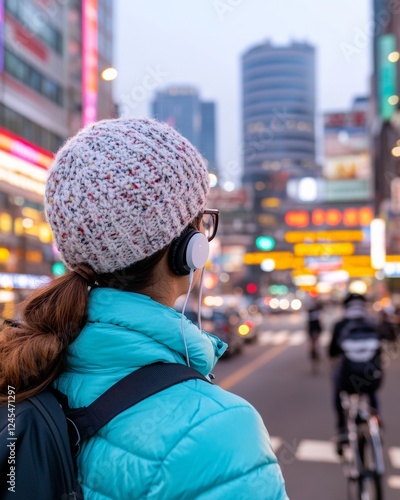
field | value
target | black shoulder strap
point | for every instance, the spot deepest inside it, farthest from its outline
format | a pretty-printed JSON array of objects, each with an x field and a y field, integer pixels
[{"x": 132, "y": 389}]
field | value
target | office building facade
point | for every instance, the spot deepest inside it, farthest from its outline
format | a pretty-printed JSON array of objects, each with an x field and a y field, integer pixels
[
  {"x": 182, "y": 108},
  {"x": 52, "y": 55}
]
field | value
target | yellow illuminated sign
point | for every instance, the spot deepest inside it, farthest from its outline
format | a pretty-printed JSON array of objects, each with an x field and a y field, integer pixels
[
  {"x": 270, "y": 202},
  {"x": 357, "y": 261},
  {"x": 360, "y": 272},
  {"x": 392, "y": 258},
  {"x": 258, "y": 257},
  {"x": 344, "y": 235},
  {"x": 20, "y": 173},
  {"x": 5, "y": 222},
  {"x": 267, "y": 220},
  {"x": 40, "y": 230},
  {"x": 4, "y": 254},
  {"x": 323, "y": 249}
]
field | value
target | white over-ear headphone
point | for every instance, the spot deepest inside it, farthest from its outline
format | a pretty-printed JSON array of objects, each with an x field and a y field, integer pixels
[{"x": 189, "y": 251}]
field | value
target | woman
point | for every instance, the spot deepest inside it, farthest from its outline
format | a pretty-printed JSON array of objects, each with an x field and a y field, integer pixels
[{"x": 125, "y": 199}]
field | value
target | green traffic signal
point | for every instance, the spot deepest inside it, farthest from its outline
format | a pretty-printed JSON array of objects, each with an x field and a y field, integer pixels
[
  {"x": 58, "y": 269},
  {"x": 265, "y": 243}
]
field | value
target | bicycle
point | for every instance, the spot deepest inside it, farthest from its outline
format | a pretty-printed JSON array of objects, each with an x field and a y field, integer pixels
[{"x": 362, "y": 453}]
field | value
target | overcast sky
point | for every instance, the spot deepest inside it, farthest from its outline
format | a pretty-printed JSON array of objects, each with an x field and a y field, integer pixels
[{"x": 200, "y": 43}]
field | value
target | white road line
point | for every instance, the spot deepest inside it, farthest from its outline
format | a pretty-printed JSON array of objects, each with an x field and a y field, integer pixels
[
  {"x": 317, "y": 451},
  {"x": 394, "y": 482},
  {"x": 297, "y": 338},
  {"x": 279, "y": 337},
  {"x": 273, "y": 337},
  {"x": 313, "y": 450},
  {"x": 265, "y": 337},
  {"x": 275, "y": 443},
  {"x": 394, "y": 454},
  {"x": 276, "y": 337}
]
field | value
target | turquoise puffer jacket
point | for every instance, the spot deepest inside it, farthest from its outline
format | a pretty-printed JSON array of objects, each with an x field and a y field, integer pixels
[{"x": 192, "y": 441}]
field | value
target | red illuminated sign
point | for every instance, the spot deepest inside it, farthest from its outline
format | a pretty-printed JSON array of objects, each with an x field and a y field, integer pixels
[
  {"x": 350, "y": 217},
  {"x": 23, "y": 149},
  {"x": 318, "y": 217},
  {"x": 297, "y": 218},
  {"x": 333, "y": 217},
  {"x": 345, "y": 120}
]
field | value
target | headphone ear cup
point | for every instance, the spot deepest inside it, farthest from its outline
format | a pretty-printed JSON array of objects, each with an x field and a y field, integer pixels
[
  {"x": 188, "y": 251},
  {"x": 197, "y": 251}
]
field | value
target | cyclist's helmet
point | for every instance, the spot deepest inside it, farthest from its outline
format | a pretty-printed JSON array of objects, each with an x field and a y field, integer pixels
[{"x": 353, "y": 297}]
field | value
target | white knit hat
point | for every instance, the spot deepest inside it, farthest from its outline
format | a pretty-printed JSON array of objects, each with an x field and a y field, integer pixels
[{"x": 120, "y": 190}]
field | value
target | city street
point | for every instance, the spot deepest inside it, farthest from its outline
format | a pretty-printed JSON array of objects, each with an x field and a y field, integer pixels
[{"x": 275, "y": 376}]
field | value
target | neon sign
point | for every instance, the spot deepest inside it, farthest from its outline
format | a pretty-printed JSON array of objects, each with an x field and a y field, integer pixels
[
  {"x": 297, "y": 218},
  {"x": 1, "y": 36},
  {"x": 349, "y": 217},
  {"x": 22, "y": 149},
  {"x": 89, "y": 61},
  {"x": 24, "y": 175}
]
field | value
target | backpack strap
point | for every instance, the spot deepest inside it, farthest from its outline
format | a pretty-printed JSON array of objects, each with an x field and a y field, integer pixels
[{"x": 132, "y": 389}]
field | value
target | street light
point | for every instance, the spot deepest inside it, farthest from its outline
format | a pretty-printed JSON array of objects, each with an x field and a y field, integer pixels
[
  {"x": 394, "y": 56},
  {"x": 109, "y": 74}
]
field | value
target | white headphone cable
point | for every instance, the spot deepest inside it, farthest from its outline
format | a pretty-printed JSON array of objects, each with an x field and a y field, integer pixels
[
  {"x": 200, "y": 298},
  {"x": 191, "y": 274}
]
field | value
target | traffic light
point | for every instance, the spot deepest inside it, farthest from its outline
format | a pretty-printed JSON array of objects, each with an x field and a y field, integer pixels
[
  {"x": 58, "y": 269},
  {"x": 265, "y": 243}
]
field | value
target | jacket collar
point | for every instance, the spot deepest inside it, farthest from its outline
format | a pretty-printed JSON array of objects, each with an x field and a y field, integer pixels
[{"x": 139, "y": 320}]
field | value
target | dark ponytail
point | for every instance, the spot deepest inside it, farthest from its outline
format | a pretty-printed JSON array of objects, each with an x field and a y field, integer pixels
[{"x": 33, "y": 352}]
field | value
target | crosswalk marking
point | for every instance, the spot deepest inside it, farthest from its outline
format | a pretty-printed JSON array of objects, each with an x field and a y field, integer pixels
[
  {"x": 279, "y": 337},
  {"x": 265, "y": 337},
  {"x": 314, "y": 450},
  {"x": 317, "y": 451},
  {"x": 394, "y": 482},
  {"x": 275, "y": 443},
  {"x": 297, "y": 338},
  {"x": 394, "y": 454},
  {"x": 294, "y": 338}
]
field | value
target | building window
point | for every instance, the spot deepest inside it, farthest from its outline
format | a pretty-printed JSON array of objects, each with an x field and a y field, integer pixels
[
  {"x": 32, "y": 132},
  {"x": 37, "y": 22},
  {"x": 28, "y": 75}
]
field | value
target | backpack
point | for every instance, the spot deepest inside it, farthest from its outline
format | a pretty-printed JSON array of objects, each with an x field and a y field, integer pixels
[
  {"x": 360, "y": 368},
  {"x": 41, "y": 436}
]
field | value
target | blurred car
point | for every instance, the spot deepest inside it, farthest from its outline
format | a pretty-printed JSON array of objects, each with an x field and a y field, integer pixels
[
  {"x": 225, "y": 326},
  {"x": 250, "y": 321}
]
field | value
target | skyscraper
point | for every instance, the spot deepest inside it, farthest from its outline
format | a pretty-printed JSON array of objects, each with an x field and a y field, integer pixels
[
  {"x": 278, "y": 120},
  {"x": 208, "y": 135},
  {"x": 181, "y": 107}
]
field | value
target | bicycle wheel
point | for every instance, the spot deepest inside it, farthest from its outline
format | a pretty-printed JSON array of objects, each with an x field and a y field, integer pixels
[
  {"x": 370, "y": 477},
  {"x": 350, "y": 466}
]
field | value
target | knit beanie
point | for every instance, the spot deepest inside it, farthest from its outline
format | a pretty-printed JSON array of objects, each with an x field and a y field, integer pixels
[{"x": 122, "y": 189}]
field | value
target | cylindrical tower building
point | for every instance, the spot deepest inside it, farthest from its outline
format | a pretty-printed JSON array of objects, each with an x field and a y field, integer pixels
[{"x": 278, "y": 115}]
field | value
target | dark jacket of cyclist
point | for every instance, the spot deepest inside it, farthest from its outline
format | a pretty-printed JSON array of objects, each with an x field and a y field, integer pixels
[{"x": 351, "y": 372}]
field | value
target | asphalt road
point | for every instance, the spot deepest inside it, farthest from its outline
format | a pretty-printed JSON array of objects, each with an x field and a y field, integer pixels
[{"x": 275, "y": 376}]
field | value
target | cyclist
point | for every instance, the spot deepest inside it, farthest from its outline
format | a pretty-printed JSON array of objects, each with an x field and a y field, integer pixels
[
  {"x": 355, "y": 349},
  {"x": 314, "y": 331}
]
